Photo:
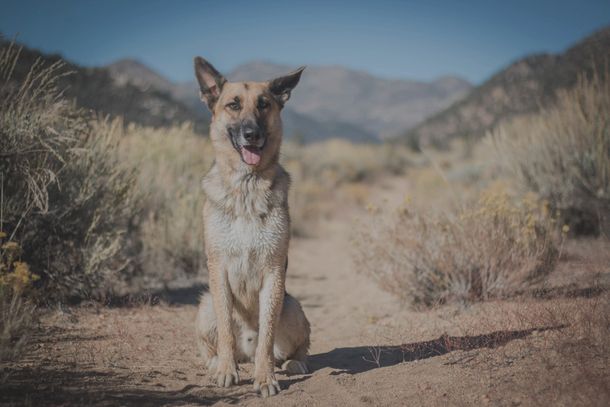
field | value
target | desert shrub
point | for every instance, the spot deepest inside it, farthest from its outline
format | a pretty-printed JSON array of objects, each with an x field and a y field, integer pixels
[
  {"x": 318, "y": 171},
  {"x": 66, "y": 198},
  {"x": 337, "y": 161},
  {"x": 170, "y": 164},
  {"x": 563, "y": 154},
  {"x": 491, "y": 248}
]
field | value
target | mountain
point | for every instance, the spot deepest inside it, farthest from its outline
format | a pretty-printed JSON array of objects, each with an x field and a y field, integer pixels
[
  {"x": 522, "y": 87},
  {"x": 344, "y": 98},
  {"x": 97, "y": 89},
  {"x": 329, "y": 102},
  {"x": 131, "y": 72}
]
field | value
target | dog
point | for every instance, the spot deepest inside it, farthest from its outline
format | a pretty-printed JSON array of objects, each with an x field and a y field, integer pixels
[{"x": 247, "y": 315}]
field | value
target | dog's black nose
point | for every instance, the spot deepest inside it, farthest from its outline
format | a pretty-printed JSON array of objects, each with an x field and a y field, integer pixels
[{"x": 251, "y": 134}]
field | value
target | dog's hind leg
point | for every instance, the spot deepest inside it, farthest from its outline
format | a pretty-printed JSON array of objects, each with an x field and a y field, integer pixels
[
  {"x": 292, "y": 338},
  {"x": 207, "y": 336}
]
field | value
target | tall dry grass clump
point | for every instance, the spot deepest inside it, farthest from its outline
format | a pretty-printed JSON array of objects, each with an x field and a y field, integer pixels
[
  {"x": 170, "y": 164},
  {"x": 563, "y": 154},
  {"x": 489, "y": 249},
  {"x": 67, "y": 200},
  {"x": 16, "y": 322}
]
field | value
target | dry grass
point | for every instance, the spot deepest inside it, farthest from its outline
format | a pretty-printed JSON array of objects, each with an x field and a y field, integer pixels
[
  {"x": 67, "y": 200},
  {"x": 563, "y": 154},
  {"x": 335, "y": 169},
  {"x": 489, "y": 249},
  {"x": 170, "y": 166},
  {"x": 336, "y": 162},
  {"x": 16, "y": 321}
]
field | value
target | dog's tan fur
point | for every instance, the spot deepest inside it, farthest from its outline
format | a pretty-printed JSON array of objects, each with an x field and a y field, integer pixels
[{"x": 248, "y": 314}]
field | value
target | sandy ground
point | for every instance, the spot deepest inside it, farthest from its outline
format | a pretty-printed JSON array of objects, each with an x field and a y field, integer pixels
[{"x": 367, "y": 348}]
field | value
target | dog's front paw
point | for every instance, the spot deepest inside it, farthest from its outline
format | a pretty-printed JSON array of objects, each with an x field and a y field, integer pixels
[
  {"x": 266, "y": 384},
  {"x": 226, "y": 373}
]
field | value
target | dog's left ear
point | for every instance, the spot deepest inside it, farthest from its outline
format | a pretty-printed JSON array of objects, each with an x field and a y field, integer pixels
[
  {"x": 210, "y": 82},
  {"x": 282, "y": 86}
]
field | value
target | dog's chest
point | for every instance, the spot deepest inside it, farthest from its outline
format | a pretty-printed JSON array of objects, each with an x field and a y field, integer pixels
[
  {"x": 249, "y": 237},
  {"x": 250, "y": 247},
  {"x": 247, "y": 227}
]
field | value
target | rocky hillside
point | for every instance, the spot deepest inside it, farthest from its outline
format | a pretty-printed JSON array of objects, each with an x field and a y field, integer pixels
[
  {"x": 522, "y": 87},
  {"x": 98, "y": 90}
]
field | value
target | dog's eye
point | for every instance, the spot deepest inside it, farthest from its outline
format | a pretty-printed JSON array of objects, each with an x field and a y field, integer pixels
[
  {"x": 263, "y": 104},
  {"x": 234, "y": 106}
]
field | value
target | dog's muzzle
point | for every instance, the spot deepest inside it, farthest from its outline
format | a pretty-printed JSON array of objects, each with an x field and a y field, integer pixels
[{"x": 249, "y": 140}]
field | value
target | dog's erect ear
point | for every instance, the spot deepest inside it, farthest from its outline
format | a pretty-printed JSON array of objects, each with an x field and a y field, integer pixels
[
  {"x": 282, "y": 86},
  {"x": 210, "y": 81}
]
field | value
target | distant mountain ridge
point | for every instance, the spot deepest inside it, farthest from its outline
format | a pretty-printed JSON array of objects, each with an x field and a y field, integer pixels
[
  {"x": 381, "y": 107},
  {"x": 329, "y": 102},
  {"x": 522, "y": 87}
]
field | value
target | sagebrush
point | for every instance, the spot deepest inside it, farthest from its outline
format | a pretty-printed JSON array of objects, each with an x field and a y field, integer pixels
[
  {"x": 171, "y": 163},
  {"x": 320, "y": 170},
  {"x": 491, "y": 248},
  {"x": 563, "y": 154},
  {"x": 67, "y": 200}
]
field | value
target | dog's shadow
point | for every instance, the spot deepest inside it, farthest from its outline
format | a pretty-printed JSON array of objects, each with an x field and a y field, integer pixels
[{"x": 358, "y": 359}]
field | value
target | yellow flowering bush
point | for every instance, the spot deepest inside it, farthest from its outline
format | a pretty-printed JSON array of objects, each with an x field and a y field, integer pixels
[
  {"x": 14, "y": 273},
  {"x": 16, "y": 312}
]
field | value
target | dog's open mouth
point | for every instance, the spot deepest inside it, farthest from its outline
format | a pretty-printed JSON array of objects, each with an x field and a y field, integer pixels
[{"x": 250, "y": 154}]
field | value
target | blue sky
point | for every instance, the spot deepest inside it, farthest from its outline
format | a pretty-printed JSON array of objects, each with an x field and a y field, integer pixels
[{"x": 394, "y": 39}]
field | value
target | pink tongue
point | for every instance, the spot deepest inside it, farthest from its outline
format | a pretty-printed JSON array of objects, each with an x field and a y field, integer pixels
[{"x": 250, "y": 157}]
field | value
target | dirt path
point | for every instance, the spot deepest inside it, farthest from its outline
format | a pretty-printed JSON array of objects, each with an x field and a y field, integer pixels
[{"x": 366, "y": 348}]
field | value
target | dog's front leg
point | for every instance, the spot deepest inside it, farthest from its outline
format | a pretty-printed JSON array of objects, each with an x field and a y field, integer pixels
[
  {"x": 271, "y": 298},
  {"x": 226, "y": 369}
]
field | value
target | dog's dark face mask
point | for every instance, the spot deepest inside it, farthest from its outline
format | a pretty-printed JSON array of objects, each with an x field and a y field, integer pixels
[
  {"x": 248, "y": 138},
  {"x": 245, "y": 115}
]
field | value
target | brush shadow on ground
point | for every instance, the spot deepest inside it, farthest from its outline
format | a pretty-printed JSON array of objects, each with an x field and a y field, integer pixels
[{"x": 360, "y": 359}]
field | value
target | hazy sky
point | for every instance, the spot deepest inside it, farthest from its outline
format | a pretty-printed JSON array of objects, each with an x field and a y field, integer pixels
[{"x": 406, "y": 39}]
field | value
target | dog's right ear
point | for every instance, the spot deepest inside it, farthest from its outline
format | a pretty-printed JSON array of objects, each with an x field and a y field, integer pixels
[{"x": 210, "y": 82}]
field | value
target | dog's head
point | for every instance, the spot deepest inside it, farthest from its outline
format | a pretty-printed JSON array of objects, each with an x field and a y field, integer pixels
[{"x": 246, "y": 128}]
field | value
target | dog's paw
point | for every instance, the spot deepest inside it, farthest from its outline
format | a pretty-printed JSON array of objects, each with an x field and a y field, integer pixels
[
  {"x": 292, "y": 366},
  {"x": 266, "y": 384},
  {"x": 226, "y": 373}
]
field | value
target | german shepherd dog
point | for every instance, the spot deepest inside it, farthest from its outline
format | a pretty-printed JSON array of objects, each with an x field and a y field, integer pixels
[{"x": 248, "y": 316}]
